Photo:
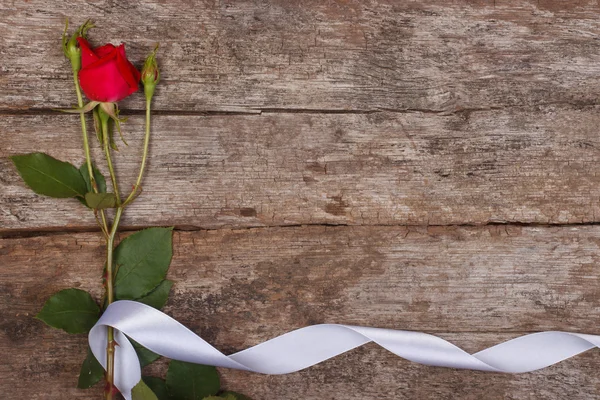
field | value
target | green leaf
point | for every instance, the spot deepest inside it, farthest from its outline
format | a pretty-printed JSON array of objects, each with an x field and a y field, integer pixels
[
  {"x": 98, "y": 177},
  {"x": 158, "y": 386},
  {"x": 100, "y": 200},
  {"x": 48, "y": 176},
  {"x": 72, "y": 310},
  {"x": 141, "y": 391},
  {"x": 145, "y": 356},
  {"x": 229, "y": 395},
  {"x": 158, "y": 297},
  {"x": 91, "y": 371},
  {"x": 142, "y": 260},
  {"x": 187, "y": 381}
]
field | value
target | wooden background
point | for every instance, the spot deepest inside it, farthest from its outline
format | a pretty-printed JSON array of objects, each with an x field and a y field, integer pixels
[{"x": 423, "y": 165}]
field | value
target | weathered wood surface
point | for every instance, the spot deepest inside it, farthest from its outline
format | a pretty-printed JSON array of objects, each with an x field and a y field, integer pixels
[
  {"x": 333, "y": 55},
  {"x": 371, "y": 114},
  {"x": 530, "y": 165},
  {"x": 474, "y": 286}
]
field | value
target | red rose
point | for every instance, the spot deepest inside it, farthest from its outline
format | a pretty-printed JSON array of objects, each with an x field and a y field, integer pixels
[{"x": 106, "y": 75}]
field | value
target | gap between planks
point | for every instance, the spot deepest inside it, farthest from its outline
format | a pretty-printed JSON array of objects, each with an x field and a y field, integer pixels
[
  {"x": 30, "y": 233},
  {"x": 271, "y": 110}
]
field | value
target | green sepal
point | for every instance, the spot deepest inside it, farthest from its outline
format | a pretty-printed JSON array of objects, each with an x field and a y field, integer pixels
[
  {"x": 97, "y": 125},
  {"x": 111, "y": 136},
  {"x": 150, "y": 74},
  {"x": 108, "y": 112},
  {"x": 79, "y": 110},
  {"x": 72, "y": 310},
  {"x": 70, "y": 46},
  {"x": 118, "y": 120},
  {"x": 48, "y": 176}
]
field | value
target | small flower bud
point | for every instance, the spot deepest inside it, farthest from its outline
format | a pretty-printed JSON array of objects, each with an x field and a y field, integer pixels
[
  {"x": 71, "y": 47},
  {"x": 150, "y": 74}
]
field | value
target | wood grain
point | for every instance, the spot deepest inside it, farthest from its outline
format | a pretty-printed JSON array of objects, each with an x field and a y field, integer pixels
[
  {"x": 476, "y": 286},
  {"x": 531, "y": 165},
  {"x": 335, "y": 55},
  {"x": 327, "y": 158}
]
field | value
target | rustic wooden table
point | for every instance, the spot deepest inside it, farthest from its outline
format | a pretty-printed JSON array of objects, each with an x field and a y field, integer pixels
[{"x": 416, "y": 165}]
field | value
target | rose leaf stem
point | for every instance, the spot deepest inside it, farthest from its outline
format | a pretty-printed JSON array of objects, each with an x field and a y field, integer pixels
[
  {"x": 86, "y": 148},
  {"x": 138, "y": 182}
]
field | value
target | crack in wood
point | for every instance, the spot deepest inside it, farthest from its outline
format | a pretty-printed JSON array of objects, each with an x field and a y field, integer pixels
[
  {"x": 273, "y": 110},
  {"x": 51, "y": 231}
]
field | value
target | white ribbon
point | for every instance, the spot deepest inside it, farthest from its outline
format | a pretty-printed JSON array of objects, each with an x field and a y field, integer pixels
[{"x": 308, "y": 346}]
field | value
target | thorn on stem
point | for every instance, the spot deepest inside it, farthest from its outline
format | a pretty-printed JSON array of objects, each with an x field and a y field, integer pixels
[{"x": 110, "y": 388}]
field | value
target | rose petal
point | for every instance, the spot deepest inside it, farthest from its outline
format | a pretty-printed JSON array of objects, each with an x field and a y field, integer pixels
[
  {"x": 87, "y": 54},
  {"x": 127, "y": 69},
  {"x": 136, "y": 74},
  {"x": 108, "y": 76},
  {"x": 105, "y": 50},
  {"x": 110, "y": 57},
  {"x": 104, "y": 82},
  {"x": 121, "y": 50}
]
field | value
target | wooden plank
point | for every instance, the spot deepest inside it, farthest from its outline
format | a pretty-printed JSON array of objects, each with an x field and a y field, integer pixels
[
  {"x": 530, "y": 165},
  {"x": 475, "y": 286},
  {"x": 354, "y": 55},
  {"x": 463, "y": 112}
]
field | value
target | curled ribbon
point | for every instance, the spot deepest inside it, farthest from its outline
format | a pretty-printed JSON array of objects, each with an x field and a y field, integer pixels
[{"x": 311, "y": 345}]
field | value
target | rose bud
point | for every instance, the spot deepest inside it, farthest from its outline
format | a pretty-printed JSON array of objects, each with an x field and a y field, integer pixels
[
  {"x": 150, "y": 74},
  {"x": 106, "y": 74},
  {"x": 71, "y": 48}
]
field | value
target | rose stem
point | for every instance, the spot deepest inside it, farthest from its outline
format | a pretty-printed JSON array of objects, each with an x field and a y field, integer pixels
[
  {"x": 131, "y": 196},
  {"x": 110, "y": 347},
  {"x": 86, "y": 148}
]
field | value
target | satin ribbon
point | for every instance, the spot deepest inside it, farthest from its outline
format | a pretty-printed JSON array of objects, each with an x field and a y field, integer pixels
[{"x": 311, "y": 345}]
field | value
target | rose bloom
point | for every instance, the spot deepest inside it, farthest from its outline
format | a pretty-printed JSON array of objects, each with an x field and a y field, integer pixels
[{"x": 106, "y": 74}]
